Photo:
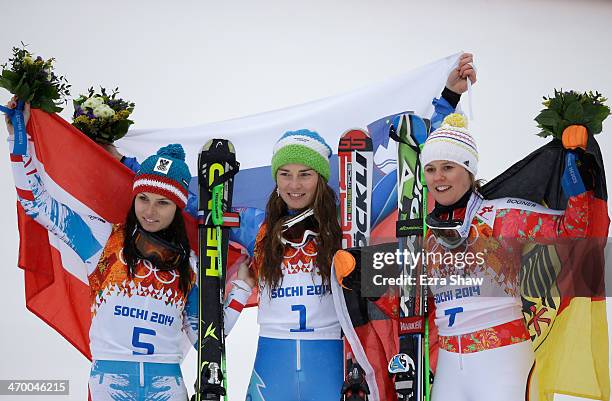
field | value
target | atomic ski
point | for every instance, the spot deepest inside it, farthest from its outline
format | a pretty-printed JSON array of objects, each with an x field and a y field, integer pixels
[
  {"x": 217, "y": 166},
  {"x": 355, "y": 160},
  {"x": 410, "y": 367}
]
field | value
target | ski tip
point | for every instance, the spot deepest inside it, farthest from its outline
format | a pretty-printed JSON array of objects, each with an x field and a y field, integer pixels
[
  {"x": 218, "y": 143},
  {"x": 355, "y": 140}
]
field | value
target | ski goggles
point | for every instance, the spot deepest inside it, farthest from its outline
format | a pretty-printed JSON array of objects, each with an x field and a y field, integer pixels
[
  {"x": 164, "y": 255},
  {"x": 447, "y": 232},
  {"x": 298, "y": 230}
]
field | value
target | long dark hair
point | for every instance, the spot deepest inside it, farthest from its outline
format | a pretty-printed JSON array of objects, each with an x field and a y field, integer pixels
[
  {"x": 175, "y": 232},
  {"x": 328, "y": 241}
]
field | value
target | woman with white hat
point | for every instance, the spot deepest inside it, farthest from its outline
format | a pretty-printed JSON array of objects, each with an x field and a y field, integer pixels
[{"x": 485, "y": 348}]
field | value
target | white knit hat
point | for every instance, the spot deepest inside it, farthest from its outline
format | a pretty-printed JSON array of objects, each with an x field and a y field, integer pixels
[{"x": 452, "y": 142}]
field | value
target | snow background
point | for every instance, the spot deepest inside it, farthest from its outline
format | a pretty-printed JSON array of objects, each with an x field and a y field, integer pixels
[{"x": 191, "y": 62}]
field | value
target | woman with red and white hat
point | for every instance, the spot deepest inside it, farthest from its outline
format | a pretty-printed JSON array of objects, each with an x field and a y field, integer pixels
[{"x": 140, "y": 273}]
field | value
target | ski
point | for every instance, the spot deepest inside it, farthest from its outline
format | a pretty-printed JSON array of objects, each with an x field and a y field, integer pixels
[
  {"x": 217, "y": 167},
  {"x": 355, "y": 161},
  {"x": 410, "y": 367}
]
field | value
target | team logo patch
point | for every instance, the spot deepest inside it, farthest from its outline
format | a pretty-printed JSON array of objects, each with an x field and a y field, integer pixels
[
  {"x": 486, "y": 214},
  {"x": 162, "y": 165}
]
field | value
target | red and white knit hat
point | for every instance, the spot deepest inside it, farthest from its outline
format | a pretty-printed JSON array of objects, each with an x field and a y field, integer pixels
[
  {"x": 452, "y": 142},
  {"x": 165, "y": 173}
]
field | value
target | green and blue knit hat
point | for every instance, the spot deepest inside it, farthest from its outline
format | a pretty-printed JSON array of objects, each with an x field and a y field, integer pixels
[
  {"x": 165, "y": 173},
  {"x": 302, "y": 147}
]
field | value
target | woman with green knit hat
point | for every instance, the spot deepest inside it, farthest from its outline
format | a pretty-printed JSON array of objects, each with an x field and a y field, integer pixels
[
  {"x": 140, "y": 274},
  {"x": 299, "y": 353}
]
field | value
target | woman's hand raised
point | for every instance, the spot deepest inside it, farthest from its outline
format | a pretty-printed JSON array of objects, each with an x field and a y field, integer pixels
[{"x": 12, "y": 104}]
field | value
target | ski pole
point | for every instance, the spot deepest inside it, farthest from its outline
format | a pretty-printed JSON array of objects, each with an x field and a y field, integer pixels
[{"x": 426, "y": 385}]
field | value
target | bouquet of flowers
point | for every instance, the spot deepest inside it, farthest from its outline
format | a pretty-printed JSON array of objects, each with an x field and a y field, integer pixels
[
  {"x": 102, "y": 117},
  {"x": 570, "y": 108},
  {"x": 32, "y": 79}
]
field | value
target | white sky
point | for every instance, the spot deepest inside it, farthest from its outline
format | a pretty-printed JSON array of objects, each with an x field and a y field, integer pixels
[{"x": 191, "y": 62}]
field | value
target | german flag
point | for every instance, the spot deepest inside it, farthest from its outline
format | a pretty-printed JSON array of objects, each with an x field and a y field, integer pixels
[{"x": 563, "y": 285}]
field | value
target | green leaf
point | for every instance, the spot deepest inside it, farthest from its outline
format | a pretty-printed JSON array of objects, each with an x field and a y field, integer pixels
[
  {"x": 590, "y": 110},
  {"x": 54, "y": 109},
  {"x": 595, "y": 127},
  {"x": 602, "y": 114},
  {"x": 571, "y": 97},
  {"x": 6, "y": 84},
  {"x": 556, "y": 105},
  {"x": 36, "y": 103},
  {"x": 46, "y": 105},
  {"x": 23, "y": 91},
  {"x": 47, "y": 91},
  {"x": 574, "y": 113},
  {"x": 18, "y": 86},
  {"x": 11, "y": 76},
  {"x": 42, "y": 104},
  {"x": 548, "y": 118},
  {"x": 544, "y": 134},
  {"x": 120, "y": 128}
]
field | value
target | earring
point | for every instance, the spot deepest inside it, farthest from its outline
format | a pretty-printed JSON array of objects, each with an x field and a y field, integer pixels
[{"x": 277, "y": 192}]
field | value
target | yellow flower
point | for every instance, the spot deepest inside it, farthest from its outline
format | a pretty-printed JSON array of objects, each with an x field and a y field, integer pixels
[
  {"x": 123, "y": 114},
  {"x": 82, "y": 120},
  {"x": 456, "y": 120}
]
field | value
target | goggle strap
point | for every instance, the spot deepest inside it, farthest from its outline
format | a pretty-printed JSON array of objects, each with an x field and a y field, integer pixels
[
  {"x": 409, "y": 227},
  {"x": 294, "y": 220},
  {"x": 305, "y": 237}
]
